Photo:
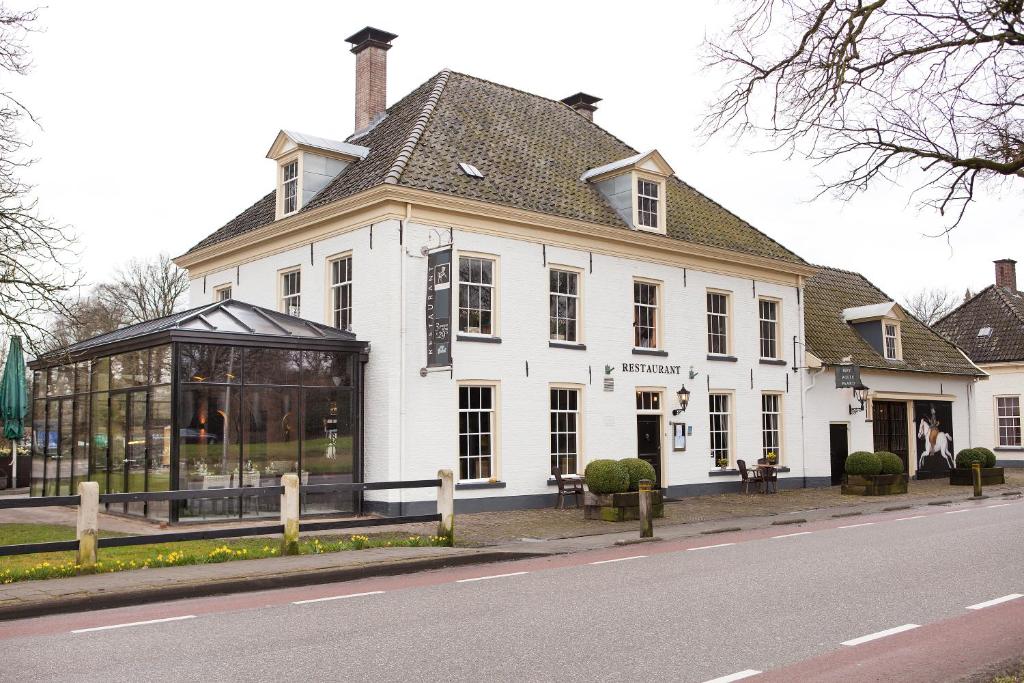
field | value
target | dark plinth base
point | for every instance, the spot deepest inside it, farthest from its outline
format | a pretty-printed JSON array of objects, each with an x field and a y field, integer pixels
[
  {"x": 931, "y": 474},
  {"x": 990, "y": 476},
  {"x": 876, "y": 485},
  {"x": 620, "y": 507}
]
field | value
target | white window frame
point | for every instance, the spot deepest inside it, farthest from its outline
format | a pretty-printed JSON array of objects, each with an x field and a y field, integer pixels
[
  {"x": 775, "y": 324},
  {"x": 294, "y": 182},
  {"x": 339, "y": 313},
  {"x": 220, "y": 290},
  {"x": 655, "y": 405},
  {"x": 771, "y": 426},
  {"x": 468, "y": 432},
  {"x": 287, "y": 299},
  {"x": 648, "y": 197},
  {"x": 726, "y": 319},
  {"x": 659, "y": 201},
  {"x": 567, "y": 422},
  {"x": 1007, "y": 423},
  {"x": 573, "y": 325},
  {"x": 714, "y": 410},
  {"x": 897, "y": 345},
  {"x": 653, "y": 314},
  {"x": 463, "y": 296}
]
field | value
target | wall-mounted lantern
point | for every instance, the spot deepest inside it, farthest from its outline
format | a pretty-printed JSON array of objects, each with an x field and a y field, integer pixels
[
  {"x": 860, "y": 394},
  {"x": 684, "y": 400}
]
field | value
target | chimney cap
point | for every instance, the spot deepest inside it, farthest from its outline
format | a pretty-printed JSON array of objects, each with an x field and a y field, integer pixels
[
  {"x": 368, "y": 36},
  {"x": 582, "y": 100},
  {"x": 1005, "y": 260}
]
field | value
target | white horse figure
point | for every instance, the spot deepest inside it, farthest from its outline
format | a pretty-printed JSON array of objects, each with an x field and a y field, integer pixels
[{"x": 936, "y": 442}]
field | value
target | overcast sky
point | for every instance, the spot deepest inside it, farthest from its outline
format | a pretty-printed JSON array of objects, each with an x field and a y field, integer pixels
[{"x": 156, "y": 122}]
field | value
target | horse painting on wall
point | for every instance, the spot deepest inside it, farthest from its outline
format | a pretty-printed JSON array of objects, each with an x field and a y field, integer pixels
[{"x": 933, "y": 421}]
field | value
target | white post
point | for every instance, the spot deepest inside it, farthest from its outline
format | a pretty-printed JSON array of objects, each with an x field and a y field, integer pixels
[
  {"x": 88, "y": 522},
  {"x": 290, "y": 514},
  {"x": 14, "y": 464},
  {"x": 446, "y": 506}
]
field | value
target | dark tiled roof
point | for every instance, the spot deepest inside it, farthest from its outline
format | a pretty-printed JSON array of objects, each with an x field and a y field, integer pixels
[
  {"x": 998, "y": 308},
  {"x": 830, "y": 338},
  {"x": 532, "y": 152}
]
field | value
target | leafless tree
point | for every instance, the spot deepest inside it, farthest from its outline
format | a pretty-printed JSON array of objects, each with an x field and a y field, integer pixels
[
  {"x": 146, "y": 289},
  {"x": 929, "y": 89},
  {"x": 929, "y": 305},
  {"x": 37, "y": 256}
]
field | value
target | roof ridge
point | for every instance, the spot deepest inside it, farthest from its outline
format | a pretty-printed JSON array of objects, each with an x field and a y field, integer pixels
[
  {"x": 1007, "y": 304},
  {"x": 967, "y": 301},
  {"x": 394, "y": 174}
]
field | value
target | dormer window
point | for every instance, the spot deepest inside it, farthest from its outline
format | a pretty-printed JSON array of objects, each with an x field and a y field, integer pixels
[
  {"x": 891, "y": 339},
  {"x": 306, "y": 164},
  {"x": 290, "y": 187},
  {"x": 647, "y": 203},
  {"x": 879, "y": 326},
  {"x": 634, "y": 187}
]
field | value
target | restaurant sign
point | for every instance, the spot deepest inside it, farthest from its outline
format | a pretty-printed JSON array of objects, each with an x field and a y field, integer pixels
[
  {"x": 439, "y": 308},
  {"x": 847, "y": 376},
  {"x": 652, "y": 368}
]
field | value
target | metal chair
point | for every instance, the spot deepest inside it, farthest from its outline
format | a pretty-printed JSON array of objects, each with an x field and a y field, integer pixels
[
  {"x": 567, "y": 487},
  {"x": 771, "y": 479},
  {"x": 748, "y": 477}
]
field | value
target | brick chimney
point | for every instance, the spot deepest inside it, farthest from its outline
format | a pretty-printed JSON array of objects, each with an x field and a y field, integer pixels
[
  {"x": 583, "y": 103},
  {"x": 370, "y": 46},
  {"x": 1006, "y": 273}
]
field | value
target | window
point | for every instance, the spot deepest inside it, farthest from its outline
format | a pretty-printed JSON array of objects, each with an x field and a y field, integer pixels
[
  {"x": 718, "y": 410},
  {"x": 476, "y": 432},
  {"x": 645, "y": 315},
  {"x": 718, "y": 323},
  {"x": 291, "y": 292},
  {"x": 290, "y": 187},
  {"x": 476, "y": 295},
  {"x": 771, "y": 430},
  {"x": 565, "y": 430},
  {"x": 769, "y": 319},
  {"x": 341, "y": 293},
  {"x": 1008, "y": 420},
  {"x": 891, "y": 338},
  {"x": 564, "y": 302},
  {"x": 647, "y": 203},
  {"x": 648, "y": 400},
  {"x": 222, "y": 293}
]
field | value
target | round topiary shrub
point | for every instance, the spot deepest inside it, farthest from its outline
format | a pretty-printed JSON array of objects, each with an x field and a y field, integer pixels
[
  {"x": 638, "y": 469},
  {"x": 990, "y": 457},
  {"x": 967, "y": 456},
  {"x": 606, "y": 476},
  {"x": 891, "y": 463},
  {"x": 863, "y": 463}
]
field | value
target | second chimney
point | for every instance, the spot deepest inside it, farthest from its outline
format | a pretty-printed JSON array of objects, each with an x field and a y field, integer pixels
[
  {"x": 370, "y": 46},
  {"x": 1006, "y": 273},
  {"x": 583, "y": 104}
]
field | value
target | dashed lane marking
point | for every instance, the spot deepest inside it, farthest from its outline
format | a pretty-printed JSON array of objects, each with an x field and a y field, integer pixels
[
  {"x": 996, "y": 601},
  {"x": 799, "y": 533},
  {"x": 739, "y": 675},
  {"x": 903, "y": 519},
  {"x": 336, "y": 597},
  {"x": 133, "y": 623},
  {"x": 998, "y": 505},
  {"x": 620, "y": 559},
  {"x": 854, "y": 526},
  {"x": 494, "y": 576},
  {"x": 879, "y": 634},
  {"x": 707, "y": 547},
  {"x": 956, "y": 512}
]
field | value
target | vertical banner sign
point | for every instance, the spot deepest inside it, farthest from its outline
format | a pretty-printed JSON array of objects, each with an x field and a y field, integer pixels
[
  {"x": 439, "y": 308},
  {"x": 933, "y": 425}
]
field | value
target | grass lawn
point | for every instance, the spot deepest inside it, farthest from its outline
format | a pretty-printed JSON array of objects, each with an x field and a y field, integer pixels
[{"x": 54, "y": 565}]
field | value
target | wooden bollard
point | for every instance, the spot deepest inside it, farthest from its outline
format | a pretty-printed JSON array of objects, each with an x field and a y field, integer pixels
[
  {"x": 976, "y": 476},
  {"x": 646, "y": 516}
]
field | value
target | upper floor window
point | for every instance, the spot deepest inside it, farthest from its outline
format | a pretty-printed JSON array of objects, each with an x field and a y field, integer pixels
[
  {"x": 564, "y": 305},
  {"x": 290, "y": 186},
  {"x": 645, "y": 315},
  {"x": 222, "y": 293},
  {"x": 476, "y": 295},
  {"x": 647, "y": 203},
  {"x": 768, "y": 312},
  {"x": 718, "y": 323},
  {"x": 1008, "y": 420},
  {"x": 341, "y": 292},
  {"x": 890, "y": 340},
  {"x": 291, "y": 292}
]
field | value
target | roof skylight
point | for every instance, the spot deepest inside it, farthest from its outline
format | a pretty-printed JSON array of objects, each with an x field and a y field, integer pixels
[
  {"x": 470, "y": 170},
  {"x": 985, "y": 332}
]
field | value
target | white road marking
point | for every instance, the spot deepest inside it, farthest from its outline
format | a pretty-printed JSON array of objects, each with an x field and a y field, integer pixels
[
  {"x": 620, "y": 559},
  {"x": 799, "y": 533},
  {"x": 880, "y": 634},
  {"x": 485, "y": 578},
  {"x": 854, "y": 526},
  {"x": 739, "y": 675},
  {"x": 903, "y": 519},
  {"x": 998, "y": 505},
  {"x": 336, "y": 597},
  {"x": 996, "y": 601},
  {"x": 706, "y": 547},
  {"x": 954, "y": 512},
  {"x": 134, "y": 623}
]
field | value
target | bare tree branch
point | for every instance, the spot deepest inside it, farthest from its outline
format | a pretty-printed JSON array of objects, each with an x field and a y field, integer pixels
[{"x": 929, "y": 305}]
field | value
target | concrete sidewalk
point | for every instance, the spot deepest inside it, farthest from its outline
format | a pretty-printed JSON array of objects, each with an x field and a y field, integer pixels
[{"x": 101, "y": 591}]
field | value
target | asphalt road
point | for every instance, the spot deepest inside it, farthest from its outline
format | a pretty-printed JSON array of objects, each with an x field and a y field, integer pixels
[{"x": 795, "y": 601}]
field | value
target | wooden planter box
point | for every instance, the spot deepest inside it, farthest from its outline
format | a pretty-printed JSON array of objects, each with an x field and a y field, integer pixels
[
  {"x": 989, "y": 476},
  {"x": 620, "y": 507},
  {"x": 875, "y": 485}
]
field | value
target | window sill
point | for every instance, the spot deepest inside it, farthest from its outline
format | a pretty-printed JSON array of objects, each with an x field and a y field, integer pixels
[
  {"x": 649, "y": 352},
  {"x": 474, "y": 338},
  {"x": 1008, "y": 449},
  {"x": 467, "y": 485},
  {"x": 772, "y": 361},
  {"x": 567, "y": 477},
  {"x": 735, "y": 472},
  {"x": 727, "y": 359},
  {"x": 567, "y": 345}
]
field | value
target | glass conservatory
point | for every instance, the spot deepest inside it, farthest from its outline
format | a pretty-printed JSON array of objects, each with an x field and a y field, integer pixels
[{"x": 224, "y": 396}]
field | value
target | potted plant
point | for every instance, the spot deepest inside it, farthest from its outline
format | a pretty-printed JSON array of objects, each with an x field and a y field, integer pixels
[
  {"x": 723, "y": 463},
  {"x": 962, "y": 475},
  {"x": 772, "y": 457},
  {"x": 612, "y": 490},
  {"x": 874, "y": 474}
]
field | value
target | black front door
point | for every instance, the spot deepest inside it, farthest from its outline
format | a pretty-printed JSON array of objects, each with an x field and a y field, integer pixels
[
  {"x": 648, "y": 443},
  {"x": 890, "y": 429},
  {"x": 839, "y": 448}
]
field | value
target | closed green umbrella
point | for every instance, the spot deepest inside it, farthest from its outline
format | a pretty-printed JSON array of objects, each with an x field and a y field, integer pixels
[{"x": 13, "y": 401}]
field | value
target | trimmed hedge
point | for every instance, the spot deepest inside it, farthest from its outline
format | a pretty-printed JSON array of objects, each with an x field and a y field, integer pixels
[
  {"x": 638, "y": 469},
  {"x": 990, "y": 457},
  {"x": 606, "y": 476},
  {"x": 863, "y": 463},
  {"x": 968, "y": 456},
  {"x": 891, "y": 463}
]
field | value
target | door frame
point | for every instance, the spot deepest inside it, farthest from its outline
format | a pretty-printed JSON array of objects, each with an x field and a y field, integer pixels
[{"x": 660, "y": 413}]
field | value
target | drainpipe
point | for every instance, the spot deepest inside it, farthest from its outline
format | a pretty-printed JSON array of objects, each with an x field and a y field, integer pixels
[{"x": 401, "y": 357}]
